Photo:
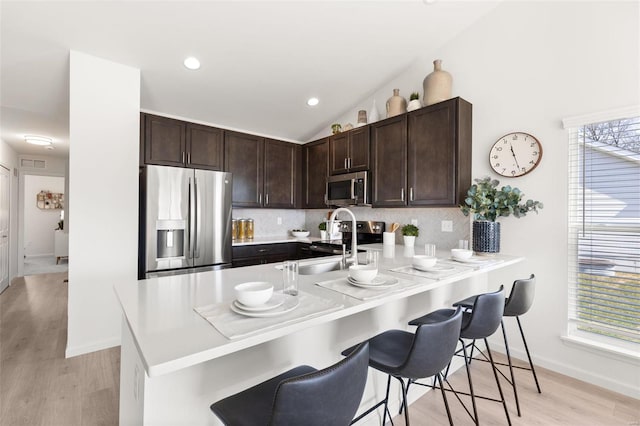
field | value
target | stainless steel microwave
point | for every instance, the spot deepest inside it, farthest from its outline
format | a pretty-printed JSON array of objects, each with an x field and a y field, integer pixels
[{"x": 351, "y": 189}]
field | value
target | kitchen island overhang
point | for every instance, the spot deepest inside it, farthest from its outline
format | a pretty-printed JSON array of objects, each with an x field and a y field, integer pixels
[{"x": 178, "y": 364}]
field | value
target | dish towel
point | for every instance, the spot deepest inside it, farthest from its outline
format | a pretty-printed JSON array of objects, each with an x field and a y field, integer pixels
[
  {"x": 435, "y": 275},
  {"x": 235, "y": 326},
  {"x": 341, "y": 285}
]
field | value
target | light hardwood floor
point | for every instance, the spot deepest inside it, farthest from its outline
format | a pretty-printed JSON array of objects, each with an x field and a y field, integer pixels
[{"x": 38, "y": 386}]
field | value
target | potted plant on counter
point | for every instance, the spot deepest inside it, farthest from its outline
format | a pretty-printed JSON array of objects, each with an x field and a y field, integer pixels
[
  {"x": 409, "y": 234},
  {"x": 487, "y": 203},
  {"x": 323, "y": 230}
]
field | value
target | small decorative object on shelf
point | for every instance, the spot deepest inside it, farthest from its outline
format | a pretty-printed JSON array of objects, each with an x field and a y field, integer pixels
[
  {"x": 336, "y": 128},
  {"x": 348, "y": 126},
  {"x": 409, "y": 234},
  {"x": 488, "y": 203},
  {"x": 396, "y": 104},
  {"x": 362, "y": 117},
  {"x": 47, "y": 200},
  {"x": 323, "y": 230},
  {"x": 373, "y": 114},
  {"x": 414, "y": 102},
  {"x": 437, "y": 85}
]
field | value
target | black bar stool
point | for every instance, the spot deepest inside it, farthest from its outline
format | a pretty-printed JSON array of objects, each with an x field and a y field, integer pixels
[
  {"x": 401, "y": 354},
  {"x": 481, "y": 322},
  {"x": 301, "y": 396},
  {"x": 518, "y": 303}
]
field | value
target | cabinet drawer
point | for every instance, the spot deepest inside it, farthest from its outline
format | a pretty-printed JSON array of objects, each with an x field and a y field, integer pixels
[{"x": 260, "y": 250}]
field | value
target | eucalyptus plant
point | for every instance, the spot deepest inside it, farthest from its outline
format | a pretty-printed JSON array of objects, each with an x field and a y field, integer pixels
[
  {"x": 488, "y": 203},
  {"x": 414, "y": 96},
  {"x": 410, "y": 230}
]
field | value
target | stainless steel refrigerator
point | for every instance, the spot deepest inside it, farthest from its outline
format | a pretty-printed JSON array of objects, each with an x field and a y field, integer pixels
[{"x": 186, "y": 218}]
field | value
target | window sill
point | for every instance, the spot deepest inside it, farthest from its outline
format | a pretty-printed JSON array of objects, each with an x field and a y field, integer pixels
[{"x": 600, "y": 348}]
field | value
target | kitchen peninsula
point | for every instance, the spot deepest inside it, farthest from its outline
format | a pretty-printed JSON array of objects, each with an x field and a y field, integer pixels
[{"x": 174, "y": 363}]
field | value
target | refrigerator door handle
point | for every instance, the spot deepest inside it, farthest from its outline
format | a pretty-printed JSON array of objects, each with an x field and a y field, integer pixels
[
  {"x": 192, "y": 221},
  {"x": 198, "y": 214}
]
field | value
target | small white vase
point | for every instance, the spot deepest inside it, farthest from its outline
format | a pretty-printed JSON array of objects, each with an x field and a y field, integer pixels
[
  {"x": 409, "y": 241},
  {"x": 374, "y": 115},
  {"x": 414, "y": 105},
  {"x": 323, "y": 235}
]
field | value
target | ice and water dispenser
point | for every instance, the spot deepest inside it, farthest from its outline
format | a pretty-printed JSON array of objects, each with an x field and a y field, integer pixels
[{"x": 170, "y": 238}]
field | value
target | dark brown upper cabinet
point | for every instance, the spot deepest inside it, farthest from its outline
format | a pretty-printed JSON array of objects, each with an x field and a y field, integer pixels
[
  {"x": 349, "y": 151},
  {"x": 281, "y": 177},
  {"x": 170, "y": 142},
  {"x": 423, "y": 158},
  {"x": 389, "y": 162},
  {"x": 315, "y": 169}
]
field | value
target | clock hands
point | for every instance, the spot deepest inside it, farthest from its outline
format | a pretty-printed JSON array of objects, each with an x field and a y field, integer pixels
[{"x": 514, "y": 157}]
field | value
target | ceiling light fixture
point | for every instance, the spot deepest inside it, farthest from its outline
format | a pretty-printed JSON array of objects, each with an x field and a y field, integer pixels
[
  {"x": 313, "y": 101},
  {"x": 38, "y": 140},
  {"x": 192, "y": 63}
]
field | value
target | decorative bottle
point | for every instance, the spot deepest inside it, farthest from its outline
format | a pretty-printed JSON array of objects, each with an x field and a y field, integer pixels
[
  {"x": 437, "y": 85},
  {"x": 373, "y": 114},
  {"x": 396, "y": 104}
]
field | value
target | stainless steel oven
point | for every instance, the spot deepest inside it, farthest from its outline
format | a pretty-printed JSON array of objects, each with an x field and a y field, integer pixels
[{"x": 351, "y": 189}]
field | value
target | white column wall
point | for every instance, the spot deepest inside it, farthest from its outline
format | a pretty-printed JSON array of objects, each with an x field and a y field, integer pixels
[
  {"x": 525, "y": 66},
  {"x": 9, "y": 159},
  {"x": 103, "y": 174}
]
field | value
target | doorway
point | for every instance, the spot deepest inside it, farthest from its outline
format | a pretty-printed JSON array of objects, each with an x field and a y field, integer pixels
[{"x": 4, "y": 228}]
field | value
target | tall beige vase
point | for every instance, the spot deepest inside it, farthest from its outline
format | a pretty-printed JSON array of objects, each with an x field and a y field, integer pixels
[
  {"x": 396, "y": 104},
  {"x": 437, "y": 85}
]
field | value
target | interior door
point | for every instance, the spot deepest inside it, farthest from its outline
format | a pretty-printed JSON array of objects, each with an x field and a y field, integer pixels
[{"x": 4, "y": 228}]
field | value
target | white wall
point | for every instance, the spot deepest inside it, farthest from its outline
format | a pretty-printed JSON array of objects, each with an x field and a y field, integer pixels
[
  {"x": 39, "y": 224},
  {"x": 526, "y": 66},
  {"x": 103, "y": 171},
  {"x": 9, "y": 159}
]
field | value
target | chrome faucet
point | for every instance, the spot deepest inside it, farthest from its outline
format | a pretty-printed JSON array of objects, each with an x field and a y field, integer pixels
[{"x": 353, "y": 259}]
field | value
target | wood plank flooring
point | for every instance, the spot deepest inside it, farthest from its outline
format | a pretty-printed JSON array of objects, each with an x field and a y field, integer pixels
[{"x": 38, "y": 386}]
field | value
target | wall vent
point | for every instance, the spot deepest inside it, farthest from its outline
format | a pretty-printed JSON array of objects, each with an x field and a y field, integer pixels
[{"x": 33, "y": 164}]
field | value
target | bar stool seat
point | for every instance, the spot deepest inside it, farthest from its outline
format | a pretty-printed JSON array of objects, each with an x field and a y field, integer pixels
[{"x": 301, "y": 396}]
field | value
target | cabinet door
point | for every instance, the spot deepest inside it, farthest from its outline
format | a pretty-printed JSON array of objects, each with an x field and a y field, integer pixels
[
  {"x": 359, "y": 149},
  {"x": 164, "y": 141},
  {"x": 205, "y": 147},
  {"x": 315, "y": 169},
  {"x": 338, "y": 153},
  {"x": 435, "y": 158},
  {"x": 280, "y": 167},
  {"x": 243, "y": 156},
  {"x": 389, "y": 152}
]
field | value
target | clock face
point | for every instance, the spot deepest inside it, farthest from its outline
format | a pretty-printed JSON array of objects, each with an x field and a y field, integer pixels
[{"x": 515, "y": 154}]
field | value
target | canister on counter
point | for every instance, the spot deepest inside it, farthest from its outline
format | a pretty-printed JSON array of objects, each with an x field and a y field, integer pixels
[
  {"x": 234, "y": 229},
  {"x": 249, "y": 229},
  {"x": 242, "y": 229}
]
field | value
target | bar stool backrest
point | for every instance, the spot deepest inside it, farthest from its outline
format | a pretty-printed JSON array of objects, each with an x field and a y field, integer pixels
[
  {"x": 326, "y": 397},
  {"x": 485, "y": 316},
  {"x": 521, "y": 297},
  {"x": 433, "y": 347}
]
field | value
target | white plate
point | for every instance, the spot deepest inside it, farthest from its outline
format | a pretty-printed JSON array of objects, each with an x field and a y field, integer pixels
[
  {"x": 385, "y": 283},
  {"x": 290, "y": 303},
  {"x": 275, "y": 301},
  {"x": 435, "y": 268},
  {"x": 472, "y": 259},
  {"x": 376, "y": 281}
]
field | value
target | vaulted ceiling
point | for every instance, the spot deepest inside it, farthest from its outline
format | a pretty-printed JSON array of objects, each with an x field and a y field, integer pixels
[{"x": 260, "y": 60}]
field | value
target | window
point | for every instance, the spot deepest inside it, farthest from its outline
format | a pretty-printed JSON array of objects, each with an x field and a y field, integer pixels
[{"x": 604, "y": 227}]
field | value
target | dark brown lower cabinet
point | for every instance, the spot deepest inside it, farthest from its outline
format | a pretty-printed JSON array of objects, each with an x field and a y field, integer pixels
[{"x": 259, "y": 254}]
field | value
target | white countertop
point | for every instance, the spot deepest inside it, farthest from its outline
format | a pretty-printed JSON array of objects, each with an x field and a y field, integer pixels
[
  {"x": 274, "y": 239},
  {"x": 171, "y": 336}
]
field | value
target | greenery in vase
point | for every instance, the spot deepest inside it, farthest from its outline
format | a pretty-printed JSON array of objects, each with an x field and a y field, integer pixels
[
  {"x": 414, "y": 96},
  {"x": 487, "y": 202},
  {"x": 410, "y": 230},
  {"x": 322, "y": 226}
]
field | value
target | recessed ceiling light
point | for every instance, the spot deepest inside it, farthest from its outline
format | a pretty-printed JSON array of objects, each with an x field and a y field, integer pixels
[
  {"x": 38, "y": 140},
  {"x": 192, "y": 63},
  {"x": 313, "y": 101}
]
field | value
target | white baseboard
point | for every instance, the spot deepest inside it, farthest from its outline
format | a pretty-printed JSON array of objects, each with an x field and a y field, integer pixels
[
  {"x": 72, "y": 351},
  {"x": 574, "y": 372}
]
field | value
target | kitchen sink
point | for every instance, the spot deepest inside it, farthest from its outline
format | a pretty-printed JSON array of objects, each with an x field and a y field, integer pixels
[{"x": 319, "y": 268}]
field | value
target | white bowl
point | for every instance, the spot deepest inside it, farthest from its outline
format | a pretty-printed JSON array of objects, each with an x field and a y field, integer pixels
[
  {"x": 254, "y": 293},
  {"x": 461, "y": 254},
  {"x": 422, "y": 261},
  {"x": 300, "y": 234},
  {"x": 363, "y": 273}
]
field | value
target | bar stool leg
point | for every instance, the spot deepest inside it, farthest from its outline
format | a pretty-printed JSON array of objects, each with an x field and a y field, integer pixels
[
  {"x": 526, "y": 348},
  {"x": 444, "y": 396},
  {"x": 495, "y": 374},
  {"x": 404, "y": 401},
  {"x": 473, "y": 397},
  {"x": 513, "y": 379},
  {"x": 386, "y": 402}
]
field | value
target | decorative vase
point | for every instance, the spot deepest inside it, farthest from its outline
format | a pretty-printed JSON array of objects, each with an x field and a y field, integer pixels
[
  {"x": 396, "y": 104},
  {"x": 373, "y": 114},
  {"x": 437, "y": 85},
  {"x": 323, "y": 235},
  {"x": 486, "y": 237},
  {"x": 362, "y": 116},
  {"x": 409, "y": 240},
  {"x": 414, "y": 105}
]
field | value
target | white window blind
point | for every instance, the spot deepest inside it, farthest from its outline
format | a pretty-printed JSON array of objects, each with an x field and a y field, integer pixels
[{"x": 604, "y": 229}]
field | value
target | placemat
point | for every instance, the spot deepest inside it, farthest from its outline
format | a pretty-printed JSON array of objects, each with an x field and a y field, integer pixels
[
  {"x": 234, "y": 326},
  {"x": 341, "y": 285},
  {"x": 475, "y": 264},
  {"x": 435, "y": 275}
]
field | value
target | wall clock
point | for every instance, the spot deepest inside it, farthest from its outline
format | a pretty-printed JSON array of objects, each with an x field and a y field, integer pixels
[{"x": 515, "y": 154}]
